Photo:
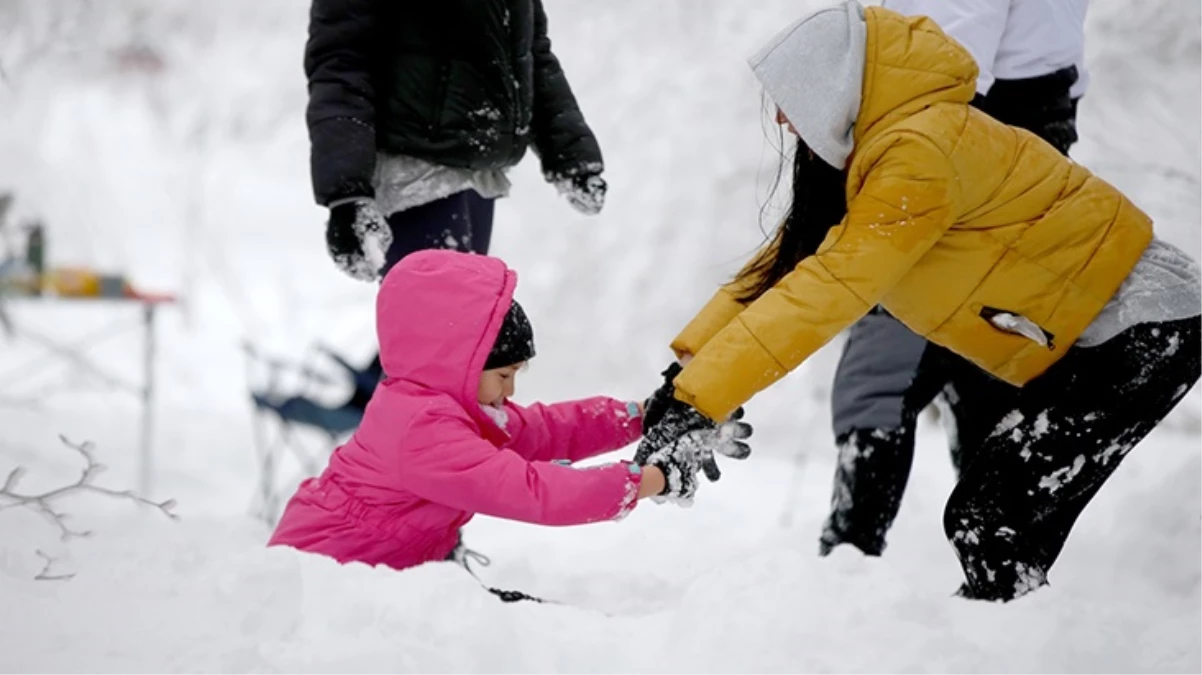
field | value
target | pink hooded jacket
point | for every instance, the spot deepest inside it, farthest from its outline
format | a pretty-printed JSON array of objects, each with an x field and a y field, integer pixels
[{"x": 426, "y": 457}]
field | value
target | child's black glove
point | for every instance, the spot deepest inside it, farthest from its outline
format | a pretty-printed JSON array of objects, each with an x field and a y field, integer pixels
[
  {"x": 663, "y": 400},
  {"x": 679, "y": 462},
  {"x": 680, "y": 422},
  {"x": 357, "y": 237},
  {"x": 683, "y": 445}
]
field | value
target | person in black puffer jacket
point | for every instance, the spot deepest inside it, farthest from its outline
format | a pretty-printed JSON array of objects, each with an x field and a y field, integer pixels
[{"x": 416, "y": 110}]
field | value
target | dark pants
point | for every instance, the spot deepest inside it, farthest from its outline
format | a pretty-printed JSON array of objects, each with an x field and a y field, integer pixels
[
  {"x": 876, "y": 420},
  {"x": 1056, "y": 442},
  {"x": 460, "y": 222},
  {"x": 1028, "y": 459}
]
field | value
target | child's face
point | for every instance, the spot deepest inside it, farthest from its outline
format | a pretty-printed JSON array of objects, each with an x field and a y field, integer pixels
[{"x": 496, "y": 385}]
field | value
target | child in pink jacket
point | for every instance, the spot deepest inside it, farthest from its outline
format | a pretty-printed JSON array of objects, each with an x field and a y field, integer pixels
[{"x": 441, "y": 441}]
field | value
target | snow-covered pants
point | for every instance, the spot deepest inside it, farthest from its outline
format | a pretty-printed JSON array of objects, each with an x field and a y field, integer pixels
[
  {"x": 462, "y": 222},
  {"x": 1055, "y": 443}
]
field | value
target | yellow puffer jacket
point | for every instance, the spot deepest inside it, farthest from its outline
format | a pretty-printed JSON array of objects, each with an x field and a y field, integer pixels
[{"x": 978, "y": 236}]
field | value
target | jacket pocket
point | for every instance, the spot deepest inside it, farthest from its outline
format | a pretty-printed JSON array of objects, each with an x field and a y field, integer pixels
[{"x": 1017, "y": 324}]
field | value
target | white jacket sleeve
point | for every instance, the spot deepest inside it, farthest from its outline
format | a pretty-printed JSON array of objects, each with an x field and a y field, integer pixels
[{"x": 978, "y": 25}]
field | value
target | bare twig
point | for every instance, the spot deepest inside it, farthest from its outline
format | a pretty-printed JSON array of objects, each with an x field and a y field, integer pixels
[
  {"x": 42, "y": 503},
  {"x": 13, "y": 477},
  {"x": 45, "y": 574}
]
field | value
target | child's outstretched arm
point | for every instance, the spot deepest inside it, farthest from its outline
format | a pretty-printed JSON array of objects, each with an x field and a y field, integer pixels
[
  {"x": 473, "y": 475},
  {"x": 573, "y": 430}
]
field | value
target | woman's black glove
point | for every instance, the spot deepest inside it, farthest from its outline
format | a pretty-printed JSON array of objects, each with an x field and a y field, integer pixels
[
  {"x": 585, "y": 191},
  {"x": 358, "y": 237},
  {"x": 655, "y": 406}
]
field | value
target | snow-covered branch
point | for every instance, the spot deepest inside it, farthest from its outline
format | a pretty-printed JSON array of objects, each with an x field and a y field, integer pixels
[{"x": 43, "y": 503}]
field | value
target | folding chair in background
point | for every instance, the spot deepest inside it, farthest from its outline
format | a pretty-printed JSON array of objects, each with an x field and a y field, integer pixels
[{"x": 304, "y": 427}]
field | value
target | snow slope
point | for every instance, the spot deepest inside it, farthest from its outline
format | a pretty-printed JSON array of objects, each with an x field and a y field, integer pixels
[
  {"x": 193, "y": 177},
  {"x": 720, "y": 588}
]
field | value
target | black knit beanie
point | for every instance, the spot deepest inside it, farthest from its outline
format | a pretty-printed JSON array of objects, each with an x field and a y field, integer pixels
[{"x": 515, "y": 341}]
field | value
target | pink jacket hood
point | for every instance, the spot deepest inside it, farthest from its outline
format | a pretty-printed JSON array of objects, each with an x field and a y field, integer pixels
[{"x": 437, "y": 316}]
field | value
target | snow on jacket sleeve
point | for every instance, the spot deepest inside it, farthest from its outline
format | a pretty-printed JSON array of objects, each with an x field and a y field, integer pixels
[
  {"x": 566, "y": 145},
  {"x": 339, "y": 60},
  {"x": 466, "y": 472},
  {"x": 572, "y": 430},
  {"x": 978, "y": 25},
  {"x": 903, "y": 204}
]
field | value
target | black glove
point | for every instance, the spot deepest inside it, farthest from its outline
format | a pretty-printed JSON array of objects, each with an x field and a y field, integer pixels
[
  {"x": 357, "y": 237},
  {"x": 585, "y": 191},
  {"x": 663, "y": 398},
  {"x": 680, "y": 420},
  {"x": 679, "y": 462},
  {"x": 655, "y": 406},
  {"x": 684, "y": 456}
]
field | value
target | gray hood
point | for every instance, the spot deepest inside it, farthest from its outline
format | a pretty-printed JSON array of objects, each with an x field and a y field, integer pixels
[{"x": 814, "y": 71}]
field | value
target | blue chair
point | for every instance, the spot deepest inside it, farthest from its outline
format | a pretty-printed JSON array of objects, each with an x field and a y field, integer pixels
[{"x": 285, "y": 401}]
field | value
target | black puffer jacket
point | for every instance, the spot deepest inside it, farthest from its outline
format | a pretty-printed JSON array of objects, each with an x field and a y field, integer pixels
[{"x": 462, "y": 83}]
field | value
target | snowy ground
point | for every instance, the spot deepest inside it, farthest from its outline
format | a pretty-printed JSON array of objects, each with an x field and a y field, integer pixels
[{"x": 194, "y": 178}]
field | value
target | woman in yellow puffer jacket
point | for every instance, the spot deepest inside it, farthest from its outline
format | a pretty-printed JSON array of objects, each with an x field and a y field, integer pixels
[{"x": 979, "y": 237}]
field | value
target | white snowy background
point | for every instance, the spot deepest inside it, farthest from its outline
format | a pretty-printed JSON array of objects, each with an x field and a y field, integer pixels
[{"x": 165, "y": 139}]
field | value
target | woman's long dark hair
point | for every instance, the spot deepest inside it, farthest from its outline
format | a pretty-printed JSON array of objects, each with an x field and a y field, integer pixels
[{"x": 819, "y": 203}]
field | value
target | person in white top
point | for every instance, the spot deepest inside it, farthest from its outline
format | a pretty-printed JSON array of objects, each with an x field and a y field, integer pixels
[
  {"x": 1032, "y": 74},
  {"x": 1012, "y": 39}
]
